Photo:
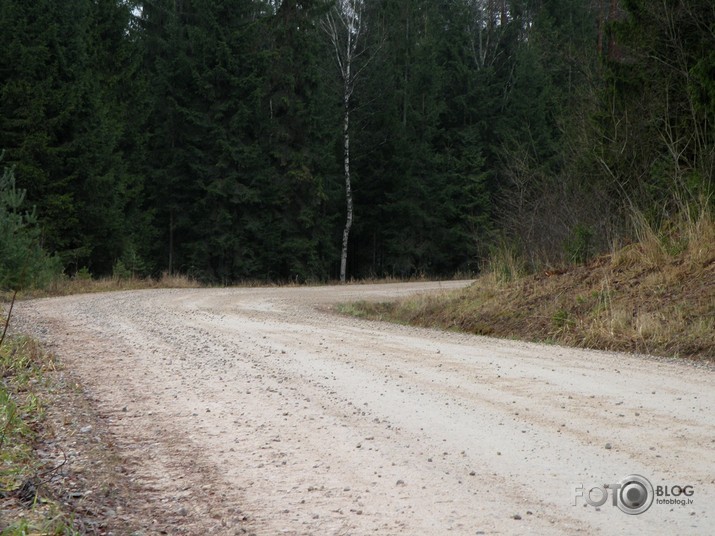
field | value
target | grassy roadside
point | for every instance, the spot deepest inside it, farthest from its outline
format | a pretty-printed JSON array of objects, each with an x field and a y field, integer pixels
[
  {"x": 24, "y": 507},
  {"x": 37, "y": 495},
  {"x": 61, "y": 472},
  {"x": 65, "y": 286},
  {"x": 656, "y": 297}
]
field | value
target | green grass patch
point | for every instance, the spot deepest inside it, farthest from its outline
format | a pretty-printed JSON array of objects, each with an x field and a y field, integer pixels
[{"x": 23, "y": 368}]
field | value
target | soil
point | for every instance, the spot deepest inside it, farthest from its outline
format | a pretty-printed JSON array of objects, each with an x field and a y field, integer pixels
[{"x": 259, "y": 411}]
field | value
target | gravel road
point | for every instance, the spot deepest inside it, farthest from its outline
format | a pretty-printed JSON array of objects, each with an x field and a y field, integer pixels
[{"x": 258, "y": 410}]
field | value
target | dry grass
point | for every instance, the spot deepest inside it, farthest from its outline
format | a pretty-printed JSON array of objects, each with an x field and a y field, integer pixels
[
  {"x": 66, "y": 286},
  {"x": 656, "y": 296},
  {"x": 25, "y": 506}
]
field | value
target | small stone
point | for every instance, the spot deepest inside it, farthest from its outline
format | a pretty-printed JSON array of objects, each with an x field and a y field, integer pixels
[
  {"x": 517, "y": 517},
  {"x": 183, "y": 511},
  {"x": 608, "y": 446},
  {"x": 400, "y": 483},
  {"x": 85, "y": 429},
  {"x": 472, "y": 473}
]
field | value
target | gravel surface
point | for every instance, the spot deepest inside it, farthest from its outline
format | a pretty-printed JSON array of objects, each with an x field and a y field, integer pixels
[{"x": 257, "y": 410}]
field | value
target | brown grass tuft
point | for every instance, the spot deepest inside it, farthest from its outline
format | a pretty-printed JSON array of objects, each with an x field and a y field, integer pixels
[
  {"x": 656, "y": 296},
  {"x": 65, "y": 286}
]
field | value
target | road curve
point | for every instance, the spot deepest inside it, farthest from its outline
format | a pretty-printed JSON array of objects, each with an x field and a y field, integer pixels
[{"x": 257, "y": 410}]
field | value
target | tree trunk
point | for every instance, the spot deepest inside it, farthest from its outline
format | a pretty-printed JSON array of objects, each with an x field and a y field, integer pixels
[
  {"x": 9, "y": 314},
  {"x": 348, "y": 187},
  {"x": 343, "y": 25},
  {"x": 171, "y": 242}
]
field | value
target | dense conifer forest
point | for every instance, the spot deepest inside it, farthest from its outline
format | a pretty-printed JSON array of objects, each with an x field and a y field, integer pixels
[{"x": 235, "y": 140}]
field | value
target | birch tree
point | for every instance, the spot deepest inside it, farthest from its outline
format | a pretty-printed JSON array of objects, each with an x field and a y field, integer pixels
[{"x": 344, "y": 26}]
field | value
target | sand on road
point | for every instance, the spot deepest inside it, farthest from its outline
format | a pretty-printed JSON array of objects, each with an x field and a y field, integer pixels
[{"x": 258, "y": 410}]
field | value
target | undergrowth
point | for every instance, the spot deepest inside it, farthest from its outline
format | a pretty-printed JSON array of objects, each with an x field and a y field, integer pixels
[
  {"x": 84, "y": 283},
  {"x": 654, "y": 296},
  {"x": 23, "y": 508}
]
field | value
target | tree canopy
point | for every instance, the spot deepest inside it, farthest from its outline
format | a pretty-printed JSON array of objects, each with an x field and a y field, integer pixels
[{"x": 207, "y": 137}]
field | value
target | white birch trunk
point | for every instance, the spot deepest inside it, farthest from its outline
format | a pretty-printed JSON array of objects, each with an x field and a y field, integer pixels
[
  {"x": 343, "y": 25},
  {"x": 348, "y": 187}
]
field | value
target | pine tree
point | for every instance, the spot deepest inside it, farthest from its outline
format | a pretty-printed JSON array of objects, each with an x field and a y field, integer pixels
[
  {"x": 238, "y": 148},
  {"x": 424, "y": 194},
  {"x": 63, "y": 66},
  {"x": 299, "y": 139},
  {"x": 23, "y": 262}
]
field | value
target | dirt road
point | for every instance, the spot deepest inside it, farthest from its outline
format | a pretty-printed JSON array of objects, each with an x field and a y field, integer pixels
[{"x": 258, "y": 410}]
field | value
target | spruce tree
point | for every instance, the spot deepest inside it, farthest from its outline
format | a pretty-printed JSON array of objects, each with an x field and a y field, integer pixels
[
  {"x": 23, "y": 262},
  {"x": 64, "y": 68},
  {"x": 238, "y": 148}
]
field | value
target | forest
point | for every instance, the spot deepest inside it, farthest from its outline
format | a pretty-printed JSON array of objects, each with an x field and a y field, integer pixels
[{"x": 315, "y": 140}]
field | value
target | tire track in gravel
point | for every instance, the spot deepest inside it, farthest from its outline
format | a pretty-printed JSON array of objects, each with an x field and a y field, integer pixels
[{"x": 259, "y": 403}]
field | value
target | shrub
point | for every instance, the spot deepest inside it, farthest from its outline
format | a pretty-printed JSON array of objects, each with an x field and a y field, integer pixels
[
  {"x": 23, "y": 262},
  {"x": 579, "y": 247}
]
